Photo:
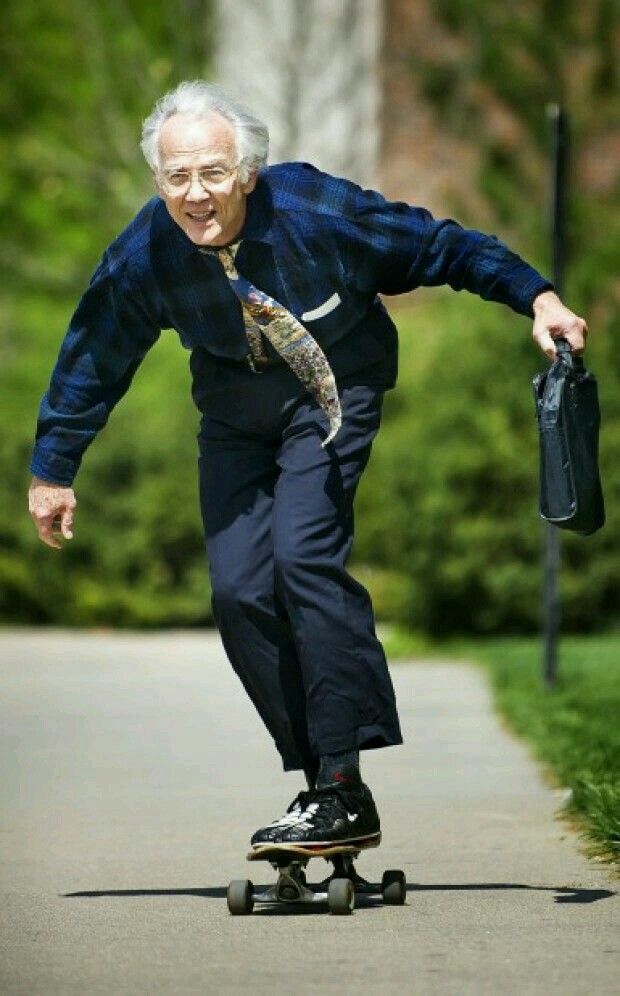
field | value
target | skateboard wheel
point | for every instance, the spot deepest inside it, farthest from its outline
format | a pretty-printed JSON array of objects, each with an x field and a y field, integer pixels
[
  {"x": 341, "y": 896},
  {"x": 394, "y": 887},
  {"x": 239, "y": 897}
]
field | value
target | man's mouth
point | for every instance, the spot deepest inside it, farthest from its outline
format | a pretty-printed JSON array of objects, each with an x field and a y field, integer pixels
[{"x": 201, "y": 216}]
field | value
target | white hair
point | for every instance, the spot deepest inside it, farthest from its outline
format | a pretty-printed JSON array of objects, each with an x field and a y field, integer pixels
[{"x": 197, "y": 99}]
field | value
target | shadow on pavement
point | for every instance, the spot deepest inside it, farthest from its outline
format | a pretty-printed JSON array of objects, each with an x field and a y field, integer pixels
[
  {"x": 218, "y": 892},
  {"x": 563, "y": 894}
]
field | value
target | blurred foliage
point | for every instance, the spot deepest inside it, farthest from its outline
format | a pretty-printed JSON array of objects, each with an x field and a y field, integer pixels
[
  {"x": 80, "y": 79},
  {"x": 460, "y": 547},
  {"x": 448, "y": 535},
  {"x": 447, "y": 511}
]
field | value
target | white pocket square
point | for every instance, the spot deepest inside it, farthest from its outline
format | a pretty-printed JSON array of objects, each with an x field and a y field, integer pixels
[{"x": 322, "y": 310}]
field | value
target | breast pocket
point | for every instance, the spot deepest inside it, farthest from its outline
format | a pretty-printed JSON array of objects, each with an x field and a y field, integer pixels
[
  {"x": 332, "y": 316},
  {"x": 322, "y": 310},
  {"x": 317, "y": 289}
]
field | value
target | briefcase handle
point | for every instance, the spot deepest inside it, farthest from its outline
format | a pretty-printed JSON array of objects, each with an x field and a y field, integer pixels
[{"x": 564, "y": 353}]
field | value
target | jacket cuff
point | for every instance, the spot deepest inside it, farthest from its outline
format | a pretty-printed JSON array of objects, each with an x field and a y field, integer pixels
[
  {"x": 53, "y": 468},
  {"x": 527, "y": 290}
]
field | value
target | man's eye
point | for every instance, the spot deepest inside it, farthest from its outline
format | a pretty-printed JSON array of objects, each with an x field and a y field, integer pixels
[
  {"x": 178, "y": 179},
  {"x": 213, "y": 174}
]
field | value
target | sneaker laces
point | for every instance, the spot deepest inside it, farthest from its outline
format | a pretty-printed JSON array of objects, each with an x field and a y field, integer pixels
[
  {"x": 294, "y": 812},
  {"x": 303, "y": 820}
]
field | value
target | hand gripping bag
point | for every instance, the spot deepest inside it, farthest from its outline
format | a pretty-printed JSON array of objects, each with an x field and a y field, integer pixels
[{"x": 567, "y": 409}]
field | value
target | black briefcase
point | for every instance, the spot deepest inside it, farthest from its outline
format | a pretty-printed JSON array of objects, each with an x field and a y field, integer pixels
[{"x": 566, "y": 397}]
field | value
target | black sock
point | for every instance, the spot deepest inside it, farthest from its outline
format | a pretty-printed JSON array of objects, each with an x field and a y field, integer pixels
[
  {"x": 332, "y": 764},
  {"x": 311, "y": 771}
]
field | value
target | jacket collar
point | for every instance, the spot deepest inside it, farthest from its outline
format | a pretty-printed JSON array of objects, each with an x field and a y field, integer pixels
[{"x": 259, "y": 213}]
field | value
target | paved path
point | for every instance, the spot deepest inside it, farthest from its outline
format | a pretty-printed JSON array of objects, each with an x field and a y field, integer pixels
[{"x": 134, "y": 771}]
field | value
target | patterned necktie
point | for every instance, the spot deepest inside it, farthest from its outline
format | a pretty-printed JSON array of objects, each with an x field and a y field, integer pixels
[{"x": 264, "y": 316}]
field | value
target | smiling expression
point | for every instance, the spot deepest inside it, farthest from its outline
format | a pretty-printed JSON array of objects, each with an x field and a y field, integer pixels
[{"x": 208, "y": 217}]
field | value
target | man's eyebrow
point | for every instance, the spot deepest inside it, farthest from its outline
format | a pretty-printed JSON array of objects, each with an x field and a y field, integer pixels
[{"x": 171, "y": 164}]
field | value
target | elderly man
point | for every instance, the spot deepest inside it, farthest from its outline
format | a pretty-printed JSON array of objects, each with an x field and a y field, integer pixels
[{"x": 271, "y": 276}]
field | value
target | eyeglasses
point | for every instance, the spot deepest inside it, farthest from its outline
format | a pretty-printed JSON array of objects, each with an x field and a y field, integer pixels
[{"x": 178, "y": 181}]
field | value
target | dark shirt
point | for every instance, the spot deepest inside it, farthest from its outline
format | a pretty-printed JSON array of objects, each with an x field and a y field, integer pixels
[{"x": 320, "y": 245}]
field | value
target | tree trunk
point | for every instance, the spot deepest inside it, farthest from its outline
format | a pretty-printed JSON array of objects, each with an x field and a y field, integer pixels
[{"x": 309, "y": 69}]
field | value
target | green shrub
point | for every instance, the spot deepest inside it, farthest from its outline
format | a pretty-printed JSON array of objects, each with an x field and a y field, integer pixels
[{"x": 449, "y": 501}]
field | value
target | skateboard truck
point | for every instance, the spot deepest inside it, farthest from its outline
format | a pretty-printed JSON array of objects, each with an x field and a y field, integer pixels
[{"x": 337, "y": 891}]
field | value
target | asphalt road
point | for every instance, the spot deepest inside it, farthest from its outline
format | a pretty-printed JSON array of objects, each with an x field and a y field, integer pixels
[{"x": 134, "y": 771}]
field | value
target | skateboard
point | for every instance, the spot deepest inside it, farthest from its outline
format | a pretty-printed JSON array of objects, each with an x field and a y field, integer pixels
[{"x": 291, "y": 888}]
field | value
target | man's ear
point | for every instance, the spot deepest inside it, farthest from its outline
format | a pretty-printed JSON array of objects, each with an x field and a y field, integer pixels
[{"x": 250, "y": 183}]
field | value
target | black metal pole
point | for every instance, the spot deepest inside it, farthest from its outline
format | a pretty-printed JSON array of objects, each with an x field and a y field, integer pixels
[
  {"x": 551, "y": 602},
  {"x": 559, "y": 137}
]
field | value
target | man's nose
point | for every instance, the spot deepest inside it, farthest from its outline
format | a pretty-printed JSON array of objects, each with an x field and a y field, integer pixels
[{"x": 196, "y": 191}]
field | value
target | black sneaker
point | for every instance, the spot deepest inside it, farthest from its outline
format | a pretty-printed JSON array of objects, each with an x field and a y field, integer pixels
[
  {"x": 341, "y": 813},
  {"x": 271, "y": 833}
]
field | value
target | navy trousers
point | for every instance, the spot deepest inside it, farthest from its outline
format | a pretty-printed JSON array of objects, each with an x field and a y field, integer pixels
[{"x": 278, "y": 519}]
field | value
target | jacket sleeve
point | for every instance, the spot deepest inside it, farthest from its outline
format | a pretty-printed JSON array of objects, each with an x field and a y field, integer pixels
[
  {"x": 397, "y": 247},
  {"x": 110, "y": 333}
]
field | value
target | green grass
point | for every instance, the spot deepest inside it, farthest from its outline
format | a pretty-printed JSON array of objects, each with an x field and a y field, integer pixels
[{"x": 574, "y": 730}]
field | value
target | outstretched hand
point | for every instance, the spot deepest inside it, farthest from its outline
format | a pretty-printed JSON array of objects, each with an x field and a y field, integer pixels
[
  {"x": 51, "y": 507},
  {"x": 553, "y": 320}
]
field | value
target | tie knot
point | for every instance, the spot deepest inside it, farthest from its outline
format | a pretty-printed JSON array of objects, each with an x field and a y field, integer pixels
[
  {"x": 226, "y": 256},
  {"x": 229, "y": 251}
]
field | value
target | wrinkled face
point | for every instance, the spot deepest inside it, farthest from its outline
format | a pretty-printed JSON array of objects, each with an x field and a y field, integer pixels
[{"x": 198, "y": 178}]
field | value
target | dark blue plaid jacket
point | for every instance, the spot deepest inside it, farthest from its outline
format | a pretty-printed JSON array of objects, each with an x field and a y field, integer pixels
[{"x": 320, "y": 245}]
